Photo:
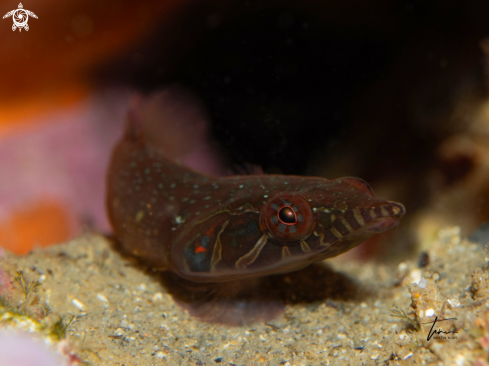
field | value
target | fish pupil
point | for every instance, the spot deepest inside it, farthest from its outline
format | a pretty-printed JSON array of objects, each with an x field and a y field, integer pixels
[{"x": 287, "y": 216}]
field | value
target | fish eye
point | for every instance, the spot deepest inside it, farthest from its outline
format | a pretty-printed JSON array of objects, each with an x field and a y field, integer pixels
[{"x": 287, "y": 218}]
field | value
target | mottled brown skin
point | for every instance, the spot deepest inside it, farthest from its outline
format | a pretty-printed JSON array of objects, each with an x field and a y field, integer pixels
[{"x": 217, "y": 229}]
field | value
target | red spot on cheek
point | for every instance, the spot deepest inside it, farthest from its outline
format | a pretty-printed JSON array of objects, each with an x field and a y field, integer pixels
[{"x": 199, "y": 249}]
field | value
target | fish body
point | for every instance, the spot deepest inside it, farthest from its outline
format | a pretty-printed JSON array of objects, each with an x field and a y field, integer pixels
[
  {"x": 213, "y": 229},
  {"x": 207, "y": 230}
]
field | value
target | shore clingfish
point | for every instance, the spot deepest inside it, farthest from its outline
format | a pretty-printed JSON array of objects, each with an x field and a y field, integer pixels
[{"x": 218, "y": 235}]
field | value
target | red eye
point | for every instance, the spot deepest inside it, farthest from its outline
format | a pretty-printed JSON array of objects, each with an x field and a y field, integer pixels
[{"x": 287, "y": 218}]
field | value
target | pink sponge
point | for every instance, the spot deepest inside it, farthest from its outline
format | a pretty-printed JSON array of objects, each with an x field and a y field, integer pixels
[{"x": 20, "y": 349}]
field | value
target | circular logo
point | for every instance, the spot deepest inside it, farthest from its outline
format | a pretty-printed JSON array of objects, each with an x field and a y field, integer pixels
[{"x": 20, "y": 18}]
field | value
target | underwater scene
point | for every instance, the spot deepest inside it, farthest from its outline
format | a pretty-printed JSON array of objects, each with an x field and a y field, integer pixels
[{"x": 246, "y": 182}]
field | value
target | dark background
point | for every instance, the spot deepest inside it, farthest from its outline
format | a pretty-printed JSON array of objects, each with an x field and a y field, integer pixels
[{"x": 292, "y": 86}]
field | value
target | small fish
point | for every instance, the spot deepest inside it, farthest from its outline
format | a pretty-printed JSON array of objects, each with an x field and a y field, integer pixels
[{"x": 209, "y": 230}]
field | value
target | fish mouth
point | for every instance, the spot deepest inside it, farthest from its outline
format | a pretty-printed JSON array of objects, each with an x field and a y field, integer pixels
[
  {"x": 381, "y": 225},
  {"x": 358, "y": 225},
  {"x": 393, "y": 212},
  {"x": 380, "y": 218},
  {"x": 364, "y": 221}
]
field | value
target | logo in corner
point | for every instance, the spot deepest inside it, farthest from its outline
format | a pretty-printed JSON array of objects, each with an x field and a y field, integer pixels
[{"x": 20, "y": 17}]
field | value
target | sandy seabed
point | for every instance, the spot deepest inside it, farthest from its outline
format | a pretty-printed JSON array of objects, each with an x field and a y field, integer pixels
[{"x": 122, "y": 315}]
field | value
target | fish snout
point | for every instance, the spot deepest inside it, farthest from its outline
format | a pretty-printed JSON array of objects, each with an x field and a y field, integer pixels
[
  {"x": 395, "y": 209},
  {"x": 383, "y": 216}
]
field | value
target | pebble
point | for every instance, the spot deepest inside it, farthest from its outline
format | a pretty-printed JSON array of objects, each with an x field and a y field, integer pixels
[{"x": 78, "y": 304}]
